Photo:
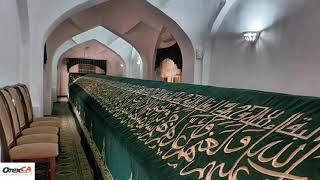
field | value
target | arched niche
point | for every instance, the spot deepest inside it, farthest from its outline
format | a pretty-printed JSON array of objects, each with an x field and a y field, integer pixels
[
  {"x": 168, "y": 58},
  {"x": 169, "y": 71}
]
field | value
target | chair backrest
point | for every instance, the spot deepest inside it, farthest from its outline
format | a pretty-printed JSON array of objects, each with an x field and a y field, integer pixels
[
  {"x": 13, "y": 111},
  {"x": 28, "y": 99},
  {"x": 26, "y": 102},
  {"x": 6, "y": 124},
  {"x": 17, "y": 100}
]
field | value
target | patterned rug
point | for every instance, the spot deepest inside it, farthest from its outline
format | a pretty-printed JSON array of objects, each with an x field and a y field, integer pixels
[{"x": 72, "y": 163}]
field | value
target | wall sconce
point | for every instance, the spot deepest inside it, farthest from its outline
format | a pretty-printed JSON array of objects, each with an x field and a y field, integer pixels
[{"x": 251, "y": 36}]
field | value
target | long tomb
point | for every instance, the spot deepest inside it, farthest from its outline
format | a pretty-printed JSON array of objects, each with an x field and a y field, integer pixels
[{"x": 150, "y": 130}]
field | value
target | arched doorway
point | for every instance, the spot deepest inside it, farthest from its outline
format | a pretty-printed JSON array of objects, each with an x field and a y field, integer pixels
[
  {"x": 168, "y": 63},
  {"x": 77, "y": 61},
  {"x": 169, "y": 71},
  {"x": 139, "y": 24}
]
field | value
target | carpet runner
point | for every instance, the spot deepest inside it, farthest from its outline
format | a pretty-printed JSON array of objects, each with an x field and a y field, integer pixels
[{"x": 72, "y": 163}]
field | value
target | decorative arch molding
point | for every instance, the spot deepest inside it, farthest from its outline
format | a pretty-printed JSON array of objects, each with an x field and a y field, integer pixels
[
  {"x": 68, "y": 13},
  {"x": 41, "y": 26},
  {"x": 62, "y": 52},
  {"x": 182, "y": 38},
  {"x": 140, "y": 11},
  {"x": 119, "y": 45},
  {"x": 47, "y": 88}
]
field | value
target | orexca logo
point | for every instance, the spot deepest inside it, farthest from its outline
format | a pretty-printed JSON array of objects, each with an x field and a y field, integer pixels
[
  {"x": 17, "y": 170},
  {"x": 24, "y": 169}
]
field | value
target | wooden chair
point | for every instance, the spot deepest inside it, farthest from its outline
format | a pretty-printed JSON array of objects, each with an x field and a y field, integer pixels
[
  {"x": 33, "y": 152},
  {"x": 25, "y": 139},
  {"x": 31, "y": 120},
  {"x": 18, "y": 118}
]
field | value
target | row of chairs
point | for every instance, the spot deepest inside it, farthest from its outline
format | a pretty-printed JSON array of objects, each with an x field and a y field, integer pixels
[{"x": 25, "y": 138}]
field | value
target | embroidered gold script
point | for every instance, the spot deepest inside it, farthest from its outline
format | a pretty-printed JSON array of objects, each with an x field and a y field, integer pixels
[{"x": 207, "y": 136}]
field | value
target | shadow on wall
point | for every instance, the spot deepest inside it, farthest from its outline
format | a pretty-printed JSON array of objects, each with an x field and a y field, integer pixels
[
  {"x": 284, "y": 59},
  {"x": 267, "y": 41}
]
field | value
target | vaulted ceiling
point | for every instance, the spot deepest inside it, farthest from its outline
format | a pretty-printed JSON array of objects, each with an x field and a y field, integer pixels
[{"x": 97, "y": 43}]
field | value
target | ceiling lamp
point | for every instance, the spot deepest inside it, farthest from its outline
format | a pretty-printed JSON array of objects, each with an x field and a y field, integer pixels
[{"x": 251, "y": 36}]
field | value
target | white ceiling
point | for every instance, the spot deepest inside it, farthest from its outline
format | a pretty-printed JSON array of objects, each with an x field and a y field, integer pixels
[
  {"x": 87, "y": 47},
  {"x": 103, "y": 35},
  {"x": 254, "y": 15},
  {"x": 106, "y": 37},
  {"x": 195, "y": 17}
]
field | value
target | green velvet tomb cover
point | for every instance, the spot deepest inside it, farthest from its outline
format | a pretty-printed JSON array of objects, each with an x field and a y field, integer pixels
[{"x": 154, "y": 130}]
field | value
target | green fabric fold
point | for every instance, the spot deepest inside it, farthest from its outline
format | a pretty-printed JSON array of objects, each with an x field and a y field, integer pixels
[{"x": 155, "y": 130}]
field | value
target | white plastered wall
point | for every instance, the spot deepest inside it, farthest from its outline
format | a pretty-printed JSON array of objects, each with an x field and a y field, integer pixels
[
  {"x": 10, "y": 45},
  {"x": 55, "y": 68},
  {"x": 44, "y": 16},
  {"x": 10, "y": 58},
  {"x": 98, "y": 51},
  {"x": 284, "y": 59},
  {"x": 126, "y": 51},
  {"x": 140, "y": 20},
  {"x": 196, "y": 25},
  {"x": 41, "y": 17}
]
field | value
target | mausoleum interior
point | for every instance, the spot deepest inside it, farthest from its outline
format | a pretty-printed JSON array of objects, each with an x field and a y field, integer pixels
[{"x": 160, "y": 89}]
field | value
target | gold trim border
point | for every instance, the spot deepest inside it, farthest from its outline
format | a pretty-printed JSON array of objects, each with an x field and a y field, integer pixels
[{"x": 96, "y": 153}]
